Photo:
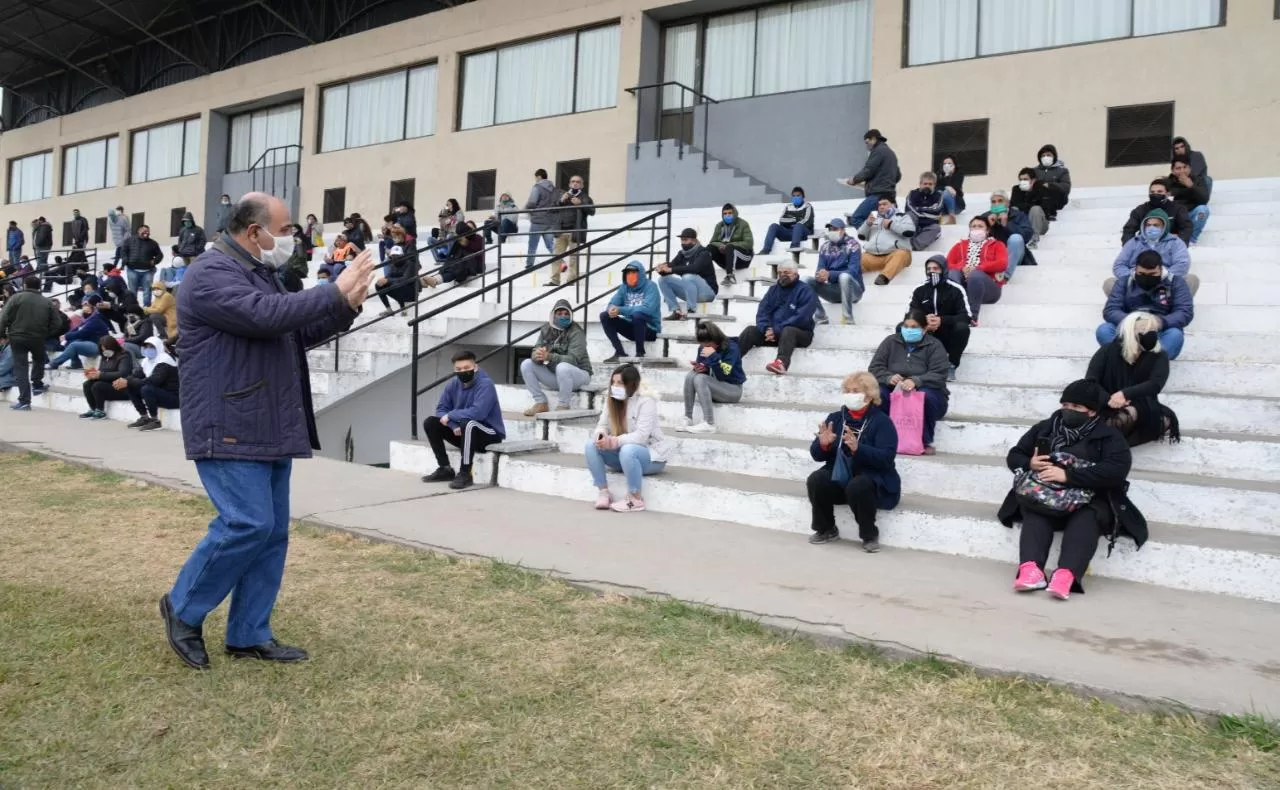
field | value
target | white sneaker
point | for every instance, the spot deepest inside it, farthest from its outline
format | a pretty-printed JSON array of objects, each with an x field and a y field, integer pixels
[
  {"x": 702, "y": 427},
  {"x": 684, "y": 425}
]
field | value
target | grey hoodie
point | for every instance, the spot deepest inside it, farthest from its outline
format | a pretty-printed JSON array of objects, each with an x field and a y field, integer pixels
[
  {"x": 565, "y": 345},
  {"x": 543, "y": 195}
]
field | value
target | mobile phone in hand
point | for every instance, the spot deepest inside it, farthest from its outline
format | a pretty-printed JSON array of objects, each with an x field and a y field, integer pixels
[{"x": 1042, "y": 446}]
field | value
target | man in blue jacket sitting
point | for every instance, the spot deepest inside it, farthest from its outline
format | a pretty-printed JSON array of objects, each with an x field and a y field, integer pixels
[
  {"x": 634, "y": 312},
  {"x": 839, "y": 274},
  {"x": 1154, "y": 289},
  {"x": 784, "y": 319},
  {"x": 468, "y": 417}
]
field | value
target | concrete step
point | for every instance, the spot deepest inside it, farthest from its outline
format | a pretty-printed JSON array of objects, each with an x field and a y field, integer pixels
[{"x": 71, "y": 401}]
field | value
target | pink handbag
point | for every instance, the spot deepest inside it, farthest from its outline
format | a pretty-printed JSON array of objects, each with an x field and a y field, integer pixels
[{"x": 906, "y": 410}]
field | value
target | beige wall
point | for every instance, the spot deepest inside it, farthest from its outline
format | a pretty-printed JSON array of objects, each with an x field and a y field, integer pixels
[{"x": 1223, "y": 79}]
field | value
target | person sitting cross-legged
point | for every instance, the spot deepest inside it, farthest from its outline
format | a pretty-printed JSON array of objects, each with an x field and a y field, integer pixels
[
  {"x": 945, "y": 305},
  {"x": 926, "y": 206},
  {"x": 468, "y": 417},
  {"x": 634, "y": 312},
  {"x": 731, "y": 244},
  {"x": 109, "y": 380},
  {"x": 559, "y": 361},
  {"x": 628, "y": 439},
  {"x": 1134, "y": 369},
  {"x": 690, "y": 277},
  {"x": 856, "y": 445},
  {"x": 717, "y": 377},
  {"x": 910, "y": 359},
  {"x": 1154, "y": 236},
  {"x": 980, "y": 264},
  {"x": 153, "y": 384},
  {"x": 886, "y": 237},
  {"x": 795, "y": 225},
  {"x": 783, "y": 319},
  {"x": 839, "y": 274},
  {"x": 1152, "y": 289}
]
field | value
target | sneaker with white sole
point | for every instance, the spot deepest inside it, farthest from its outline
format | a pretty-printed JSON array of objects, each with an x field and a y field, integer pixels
[
  {"x": 1030, "y": 578},
  {"x": 632, "y": 504},
  {"x": 1061, "y": 583},
  {"x": 603, "y": 500},
  {"x": 702, "y": 427}
]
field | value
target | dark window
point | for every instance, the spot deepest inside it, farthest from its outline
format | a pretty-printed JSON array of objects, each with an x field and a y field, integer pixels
[
  {"x": 175, "y": 219},
  {"x": 401, "y": 192},
  {"x": 335, "y": 205},
  {"x": 966, "y": 141},
  {"x": 571, "y": 168},
  {"x": 482, "y": 186},
  {"x": 100, "y": 230},
  {"x": 139, "y": 219},
  {"x": 66, "y": 234},
  {"x": 1141, "y": 134}
]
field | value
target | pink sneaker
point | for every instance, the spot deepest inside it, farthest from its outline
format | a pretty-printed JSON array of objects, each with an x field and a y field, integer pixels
[
  {"x": 1060, "y": 584},
  {"x": 603, "y": 500},
  {"x": 632, "y": 504},
  {"x": 1030, "y": 577}
]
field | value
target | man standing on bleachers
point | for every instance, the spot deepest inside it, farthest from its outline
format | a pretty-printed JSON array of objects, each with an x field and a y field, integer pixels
[
  {"x": 879, "y": 176},
  {"x": 42, "y": 242},
  {"x": 572, "y": 224},
  {"x": 118, "y": 222},
  {"x": 79, "y": 230}
]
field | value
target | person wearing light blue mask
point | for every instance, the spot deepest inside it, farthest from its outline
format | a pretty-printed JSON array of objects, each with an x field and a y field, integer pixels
[
  {"x": 731, "y": 243},
  {"x": 795, "y": 225},
  {"x": 913, "y": 360},
  {"x": 559, "y": 361}
]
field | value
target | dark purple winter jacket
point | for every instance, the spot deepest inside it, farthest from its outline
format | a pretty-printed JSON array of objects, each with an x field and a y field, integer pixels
[{"x": 246, "y": 389}]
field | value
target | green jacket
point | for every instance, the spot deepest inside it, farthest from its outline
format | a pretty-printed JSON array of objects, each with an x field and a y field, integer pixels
[
  {"x": 739, "y": 236},
  {"x": 30, "y": 317}
]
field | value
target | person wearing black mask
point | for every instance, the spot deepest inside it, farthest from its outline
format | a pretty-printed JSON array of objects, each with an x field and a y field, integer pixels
[
  {"x": 1070, "y": 476},
  {"x": 1134, "y": 369},
  {"x": 1151, "y": 289},
  {"x": 1158, "y": 198},
  {"x": 690, "y": 277},
  {"x": 572, "y": 227},
  {"x": 468, "y": 417}
]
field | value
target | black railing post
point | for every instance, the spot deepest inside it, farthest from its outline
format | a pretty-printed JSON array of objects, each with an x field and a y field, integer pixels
[
  {"x": 413, "y": 386},
  {"x": 511, "y": 373},
  {"x": 706, "y": 125},
  {"x": 336, "y": 339},
  {"x": 680, "y": 134}
]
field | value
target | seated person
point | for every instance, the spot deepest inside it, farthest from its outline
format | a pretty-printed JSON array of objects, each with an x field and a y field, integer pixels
[
  {"x": 795, "y": 225},
  {"x": 83, "y": 341},
  {"x": 951, "y": 182},
  {"x": 323, "y": 276},
  {"x": 153, "y": 384},
  {"x": 1012, "y": 228},
  {"x": 634, "y": 312},
  {"x": 628, "y": 439},
  {"x": 1151, "y": 289},
  {"x": 1158, "y": 198},
  {"x": 731, "y": 243},
  {"x": 164, "y": 306},
  {"x": 1053, "y": 173},
  {"x": 856, "y": 446},
  {"x": 109, "y": 380},
  {"x": 384, "y": 236},
  {"x": 1078, "y": 460},
  {"x": 783, "y": 319},
  {"x": 690, "y": 277},
  {"x": 886, "y": 241},
  {"x": 911, "y": 359},
  {"x": 7, "y": 377},
  {"x": 1134, "y": 369},
  {"x": 172, "y": 274},
  {"x": 925, "y": 205},
  {"x": 1155, "y": 237},
  {"x": 468, "y": 417},
  {"x": 980, "y": 264},
  {"x": 465, "y": 260},
  {"x": 339, "y": 254},
  {"x": 1190, "y": 193},
  {"x": 1199, "y": 168},
  {"x": 400, "y": 281},
  {"x": 559, "y": 360},
  {"x": 1033, "y": 199},
  {"x": 505, "y": 223},
  {"x": 839, "y": 274},
  {"x": 65, "y": 325},
  {"x": 945, "y": 305},
  {"x": 717, "y": 377},
  {"x": 443, "y": 234}
]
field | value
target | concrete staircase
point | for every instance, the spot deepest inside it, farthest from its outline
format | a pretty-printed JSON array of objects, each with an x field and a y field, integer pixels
[{"x": 659, "y": 169}]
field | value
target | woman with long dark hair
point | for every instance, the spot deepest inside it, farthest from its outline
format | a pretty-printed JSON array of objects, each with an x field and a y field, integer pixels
[
  {"x": 717, "y": 377},
  {"x": 628, "y": 439}
]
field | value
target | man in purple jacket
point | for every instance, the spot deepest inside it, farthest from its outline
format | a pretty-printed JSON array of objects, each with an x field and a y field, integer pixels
[{"x": 246, "y": 414}]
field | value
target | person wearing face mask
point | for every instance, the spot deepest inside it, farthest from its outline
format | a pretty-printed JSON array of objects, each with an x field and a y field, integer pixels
[
  {"x": 172, "y": 274},
  {"x": 886, "y": 236},
  {"x": 626, "y": 439},
  {"x": 141, "y": 255},
  {"x": 1154, "y": 237},
  {"x": 153, "y": 384},
  {"x": 1158, "y": 198},
  {"x": 731, "y": 243},
  {"x": 878, "y": 177},
  {"x": 118, "y": 223},
  {"x": 224, "y": 214},
  {"x": 191, "y": 240},
  {"x": 572, "y": 225},
  {"x": 1012, "y": 228},
  {"x": 925, "y": 205},
  {"x": 165, "y": 307},
  {"x": 1134, "y": 369},
  {"x": 795, "y": 225},
  {"x": 246, "y": 415},
  {"x": 503, "y": 219},
  {"x": 951, "y": 182},
  {"x": 783, "y": 319},
  {"x": 911, "y": 359},
  {"x": 109, "y": 380},
  {"x": 839, "y": 274},
  {"x": 1070, "y": 476},
  {"x": 559, "y": 360},
  {"x": 945, "y": 305},
  {"x": 690, "y": 277},
  {"x": 1053, "y": 173},
  {"x": 980, "y": 264},
  {"x": 634, "y": 312},
  {"x": 401, "y": 282},
  {"x": 717, "y": 377},
  {"x": 83, "y": 340},
  {"x": 856, "y": 445},
  {"x": 1032, "y": 198},
  {"x": 468, "y": 417},
  {"x": 1151, "y": 289}
]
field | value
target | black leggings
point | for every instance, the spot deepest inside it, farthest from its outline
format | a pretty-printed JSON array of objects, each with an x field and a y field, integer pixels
[
  {"x": 859, "y": 494},
  {"x": 97, "y": 393},
  {"x": 953, "y": 333},
  {"x": 1080, "y": 533}
]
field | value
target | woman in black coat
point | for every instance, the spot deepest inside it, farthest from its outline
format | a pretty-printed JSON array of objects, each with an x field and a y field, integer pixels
[
  {"x": 109, "y": 380},
  {"x": 1083, "y": 463},
  {"x": 951, "y": 185},
  {"x": 1134, "y": 369}
]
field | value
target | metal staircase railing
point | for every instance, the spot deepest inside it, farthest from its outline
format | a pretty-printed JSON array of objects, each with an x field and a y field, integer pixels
[{"x": 271, "y": 169}]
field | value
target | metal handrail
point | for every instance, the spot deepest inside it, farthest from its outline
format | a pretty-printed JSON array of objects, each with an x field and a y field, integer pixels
[
  {"x": 259, "y": 166},
  {"x": 697, "y": 95},
  {"x": 91, "y": 260}
]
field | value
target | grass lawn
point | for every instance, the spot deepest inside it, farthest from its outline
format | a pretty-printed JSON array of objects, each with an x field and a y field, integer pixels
[{"x": 430, "y": 672}]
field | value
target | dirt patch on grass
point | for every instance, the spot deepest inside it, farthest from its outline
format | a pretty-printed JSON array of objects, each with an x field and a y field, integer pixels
[{"x": 435, "y": 672}]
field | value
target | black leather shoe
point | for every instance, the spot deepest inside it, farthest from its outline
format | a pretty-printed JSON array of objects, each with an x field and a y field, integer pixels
[
  {"x": 186, "y": 641},
  {"x": 463, "y": 480},
  {"x": 269, "y": 651},
  {"x": 443, "y": 474}
]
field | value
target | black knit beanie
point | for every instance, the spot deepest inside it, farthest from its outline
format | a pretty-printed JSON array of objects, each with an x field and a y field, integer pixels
[{"x": 1083, "y": 392}]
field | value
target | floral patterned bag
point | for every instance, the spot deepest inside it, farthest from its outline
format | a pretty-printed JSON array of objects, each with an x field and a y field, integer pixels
[{"x": 1052, "y": 499}]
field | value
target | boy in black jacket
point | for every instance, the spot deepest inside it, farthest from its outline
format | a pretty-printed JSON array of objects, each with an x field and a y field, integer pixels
[
  {"x": 795, "y": 225},
  {"x": 946, "y": 305},
  {"x": 1158, "y": 198}
]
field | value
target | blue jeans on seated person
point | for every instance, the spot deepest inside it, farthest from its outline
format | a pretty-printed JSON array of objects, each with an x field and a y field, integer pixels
[
  {"x": 634, "y": 328},
  {"x": 630, "y": 459},
  {"x": 243, "y": 553},
  {"x": 935, "y": 408},
  {"x": 74, "y": 350},
  {"x": 948, "y": 203},
  {"x": 548, "y": 240},
  {"x": 864, "y": 210},
  {"x": 690, "y": 288},
  {"x": 1170, "y": 339},
  {"x": 1017, "y": 249},
  {"x": 795, "y": 233},
  {"x": 840, "y": 287},
  {"x": 1199, "y": 218}
]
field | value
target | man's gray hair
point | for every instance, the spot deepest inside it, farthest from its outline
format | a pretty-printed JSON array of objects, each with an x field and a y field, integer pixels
[
  {"x": 929, "y": 175},
  {"x": 248, "y": 211},
  {"x": 1000, "y": 193}
]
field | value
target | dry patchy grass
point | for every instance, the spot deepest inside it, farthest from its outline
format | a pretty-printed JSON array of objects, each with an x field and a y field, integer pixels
[{"x": 435, "y": 673}]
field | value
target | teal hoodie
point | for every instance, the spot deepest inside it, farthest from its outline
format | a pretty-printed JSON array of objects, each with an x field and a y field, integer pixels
[{"x": 643, "y": 298}]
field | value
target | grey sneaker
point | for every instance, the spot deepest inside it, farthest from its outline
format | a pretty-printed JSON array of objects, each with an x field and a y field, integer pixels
[
  {"x": 824, "y": 537},
  {"x": 871, "y": 546},
  {"x": 951, "y": 373},
  {"x": 821, "y": 319}
]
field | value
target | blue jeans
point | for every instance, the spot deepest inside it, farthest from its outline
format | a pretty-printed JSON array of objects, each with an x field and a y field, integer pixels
[
  {"x": 948, "y": 202},
  {"x": 1199, "y": 218},
  {"x": 139, "y": 279},
  {"x": 864, "y": 210},
  {"x": 548, "y": 240},
  {"x": 796, "y": 234},
  {"x": 631, "y": 459},
  {"x": 840, "y": 287},
  {"x": 1170, "y": 339},
  {"x": 243, "y": 553},
  {"x": 15, "y": 255},
  {"x": 74, "y": 350},
  {"x": 689, "y": 287},
  {"x": 1017, "y": 249},
  {"x": 935, "y": 408}
]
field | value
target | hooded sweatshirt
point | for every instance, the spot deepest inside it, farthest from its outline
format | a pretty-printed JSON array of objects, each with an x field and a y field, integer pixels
[
  {"x": 93, "y": 328},
  {"x": 478, "y": 402},
  {"x": 737, "y": 234},
  {"x": 164, "y": 304},
  {"x": 880, "y": 173},
  {"x": 1177, "y": 215},
  {"x": 1173, "y": 252},
  {"x": 161, "y": 372},
  {"x": 543, "y": 195},
  {"x": 1199, "y": 168},
  {"x": 881, "y": 240},
  {"x": 724, "y": 364},
  {"x": 1056, "y": 173},
  {"x": 643, "y": 298},
  {"x": 947, "y": 299},
  {"x": 564, "y": 345},
  {"x": 191, "y": 239}
]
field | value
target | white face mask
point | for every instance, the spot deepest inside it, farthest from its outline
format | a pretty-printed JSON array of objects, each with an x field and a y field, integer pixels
[
  {"x": 834, "y": 236},
  {"x": 108, "y": 354},
  {"x": 854, "y": 401},
  {"x": 1025, "y": 186},
  {"x": 618, "y": 392},
  {"x": 948, "y": 169},
  {"x": 1047, "y": 160},
  {"x": 278, "y": 255}
]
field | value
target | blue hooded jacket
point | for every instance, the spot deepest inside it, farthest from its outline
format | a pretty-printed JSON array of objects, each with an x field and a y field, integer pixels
[
  {"x": 1173, "y": 252},
  {"x": 1170, "y": 300},
  {"x": 644, "y": 298},
  {"x": 14, "y": 240},
  {"x": 877, "y": 448},
  {"x": 477, "y": 402},
  {"x": 784, "y": 307},
  {"x": 725, "y": 365}
]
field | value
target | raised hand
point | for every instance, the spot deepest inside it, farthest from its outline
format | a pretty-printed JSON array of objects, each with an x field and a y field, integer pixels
[{"x": 354, "y": 281}]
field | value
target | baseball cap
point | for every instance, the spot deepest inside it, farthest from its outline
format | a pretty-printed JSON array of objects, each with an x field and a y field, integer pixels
[
  {"x": 688, "y": 233},
  {"x": 836, "y": 223},
  {"x": 397, "y": 250}
]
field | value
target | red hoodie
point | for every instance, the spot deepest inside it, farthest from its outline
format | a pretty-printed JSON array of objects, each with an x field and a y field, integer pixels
[{"x": 993, "y": 259}]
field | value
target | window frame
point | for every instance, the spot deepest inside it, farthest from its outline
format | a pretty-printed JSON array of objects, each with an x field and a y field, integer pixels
[
  {"x": 473, "y": 176},
  {"x": 296, "y": 155},
  {"x": 133, "y": 147},
  {"x": 9, "y": 176},
  {"x": 106, "y": 139},
  {"x": 936, "y": 154},
  {"x": 404, "y": 124},
  {"x": 1108, "y": 156},
  {"x": 339, "y": 195}
]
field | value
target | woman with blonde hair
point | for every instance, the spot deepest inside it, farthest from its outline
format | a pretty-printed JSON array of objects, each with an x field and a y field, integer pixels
[
  {"x": 627, "y": 439},
  {"x": 1133, "y": 369},
  {"x": 856, "y": 446}
]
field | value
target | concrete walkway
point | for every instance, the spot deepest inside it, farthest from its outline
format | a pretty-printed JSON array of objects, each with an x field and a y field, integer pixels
[{"x": 1204, "y": 651}]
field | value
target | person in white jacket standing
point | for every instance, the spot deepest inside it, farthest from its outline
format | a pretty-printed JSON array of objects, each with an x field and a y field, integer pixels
[{"x": 628, "y": 439}]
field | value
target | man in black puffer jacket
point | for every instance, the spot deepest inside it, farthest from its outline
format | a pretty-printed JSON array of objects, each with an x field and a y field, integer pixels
[{"x": 946, "y": 306}]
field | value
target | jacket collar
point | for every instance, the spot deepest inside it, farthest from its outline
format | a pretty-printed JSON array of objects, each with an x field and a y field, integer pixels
[{"x": 230, "y": 246}]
